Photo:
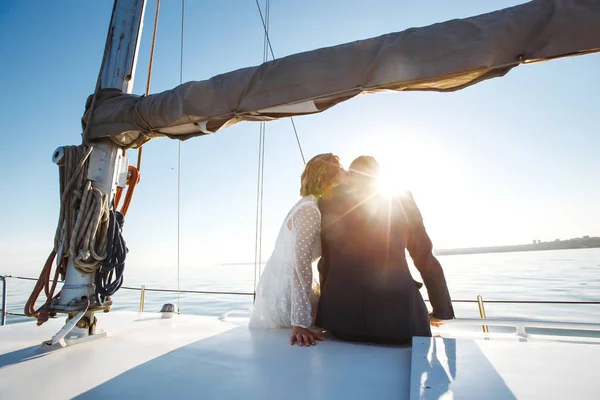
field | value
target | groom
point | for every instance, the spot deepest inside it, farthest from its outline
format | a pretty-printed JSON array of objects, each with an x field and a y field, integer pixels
[{"x": 367, "y": 291}]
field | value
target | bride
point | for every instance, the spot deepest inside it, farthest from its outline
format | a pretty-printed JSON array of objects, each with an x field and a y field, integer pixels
[{"x": 286, "y": 295}]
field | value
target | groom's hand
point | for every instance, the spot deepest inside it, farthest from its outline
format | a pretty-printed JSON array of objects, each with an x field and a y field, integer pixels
[
  {"x": 304, "y": 337},
  {"x": 435, "y": 321}
]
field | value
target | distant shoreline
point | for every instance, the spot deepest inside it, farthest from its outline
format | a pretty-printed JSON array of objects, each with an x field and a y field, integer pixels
[{"x": 576, "y": 243}]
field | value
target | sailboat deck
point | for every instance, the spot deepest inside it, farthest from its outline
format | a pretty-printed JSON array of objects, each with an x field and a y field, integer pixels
[{"x": 145, "y": 356}]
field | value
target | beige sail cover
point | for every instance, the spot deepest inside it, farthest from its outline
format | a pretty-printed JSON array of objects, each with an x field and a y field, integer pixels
[{"x": 442, "y": 57}]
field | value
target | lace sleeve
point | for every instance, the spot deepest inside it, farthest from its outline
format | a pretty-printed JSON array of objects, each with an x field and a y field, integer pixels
[{"x": 306, "y": 230}]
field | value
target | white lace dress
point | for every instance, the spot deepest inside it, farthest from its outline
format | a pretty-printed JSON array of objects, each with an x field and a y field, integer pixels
[{"x": 287, "y": 293}]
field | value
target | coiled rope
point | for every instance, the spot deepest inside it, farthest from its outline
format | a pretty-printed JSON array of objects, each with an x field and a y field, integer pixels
[
  {"x": 81, "y": 232},
  {"x": 83, "y": 213},
  {"x": 109, "y": 277}
]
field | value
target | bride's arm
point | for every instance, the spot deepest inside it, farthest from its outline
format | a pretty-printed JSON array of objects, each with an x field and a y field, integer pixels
[{"x": 306, "y": 229}]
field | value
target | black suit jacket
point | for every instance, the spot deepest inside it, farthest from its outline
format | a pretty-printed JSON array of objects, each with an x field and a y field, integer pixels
[{"x": 366, "y": 287}]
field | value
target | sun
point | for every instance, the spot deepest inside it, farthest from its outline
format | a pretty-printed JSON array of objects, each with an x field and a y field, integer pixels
[
  {"x": 387, "y": 183},
  {"x": 395, "y": 175},
  {"x": 411, "y": 163}
]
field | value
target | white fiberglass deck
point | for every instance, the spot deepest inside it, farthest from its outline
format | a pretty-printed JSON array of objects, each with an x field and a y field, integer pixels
[
  {"x": 145, "y": 356},
  {"x": 501, "y": 369}
]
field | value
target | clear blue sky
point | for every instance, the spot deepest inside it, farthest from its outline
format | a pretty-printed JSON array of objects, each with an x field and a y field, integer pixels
[{"x": 506, "y": 161}]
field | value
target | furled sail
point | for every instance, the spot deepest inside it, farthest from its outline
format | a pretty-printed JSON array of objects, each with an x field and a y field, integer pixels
[{"x": 442, "y": 57}]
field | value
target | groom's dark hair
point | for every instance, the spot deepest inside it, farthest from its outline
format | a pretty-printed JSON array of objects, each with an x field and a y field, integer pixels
[{"x": 365, "y": 166}]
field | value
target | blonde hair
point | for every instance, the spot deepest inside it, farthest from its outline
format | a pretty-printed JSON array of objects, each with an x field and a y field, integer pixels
[{"x": 320, "y": 173}]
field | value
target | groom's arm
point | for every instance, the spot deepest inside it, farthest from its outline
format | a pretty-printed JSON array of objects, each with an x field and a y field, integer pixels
[
  {"x": 421, "y": 251},
  {"x": 326, "y": 224},
  {"x": 323, "y": 265}
]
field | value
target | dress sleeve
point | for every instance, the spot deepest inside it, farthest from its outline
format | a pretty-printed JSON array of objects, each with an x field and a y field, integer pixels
[{"x": 306, "y": 231}]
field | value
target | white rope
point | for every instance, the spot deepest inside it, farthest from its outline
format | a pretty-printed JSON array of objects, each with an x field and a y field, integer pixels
[{"x": 82, "y": 228}]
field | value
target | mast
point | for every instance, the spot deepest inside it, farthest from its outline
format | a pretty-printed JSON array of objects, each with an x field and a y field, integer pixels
[{"x": 107, "y": 165}]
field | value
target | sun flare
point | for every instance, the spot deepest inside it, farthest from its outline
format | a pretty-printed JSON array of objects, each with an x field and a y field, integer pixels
[
  {"x": 413, "y": 163},
  {"x": 387, "y": 185}
]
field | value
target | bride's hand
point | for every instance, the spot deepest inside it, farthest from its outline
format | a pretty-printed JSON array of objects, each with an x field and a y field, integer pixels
[{"x": 304, "y": 337}]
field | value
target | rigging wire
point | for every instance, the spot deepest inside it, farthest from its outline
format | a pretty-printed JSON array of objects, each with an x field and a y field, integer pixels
[
  {"x": 179, "y": 167},
  {"x": 258, "y": 209},
  {"x": 270, "y": 48},
  {"x": 264, "y": 134},
  {"x": 261, "y": 168}
]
